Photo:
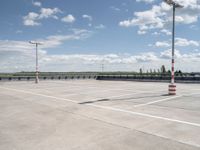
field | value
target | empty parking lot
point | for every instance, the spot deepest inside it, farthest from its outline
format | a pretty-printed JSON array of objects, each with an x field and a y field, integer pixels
[{"x": 100, "y": 115}]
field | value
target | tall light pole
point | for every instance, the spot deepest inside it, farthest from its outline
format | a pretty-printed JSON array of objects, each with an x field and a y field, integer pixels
[
  {"x": 172, "y": 86},
  {"x": 102, "y": 67},
  {"x": 37, "y": 67}
]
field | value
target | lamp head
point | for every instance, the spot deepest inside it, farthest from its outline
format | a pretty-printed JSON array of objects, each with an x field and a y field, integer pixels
[
  {"x": 33, "y": 42},
  {"x": 172, "y": 3}
]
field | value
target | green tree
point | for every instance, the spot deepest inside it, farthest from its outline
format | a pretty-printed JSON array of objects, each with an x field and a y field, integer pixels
[
  {"x": 151, "y": 71},
  {"x": 163, "y": 69},
  {"x": 169, "y": 72},
  {"x": 141, "y": 71}
]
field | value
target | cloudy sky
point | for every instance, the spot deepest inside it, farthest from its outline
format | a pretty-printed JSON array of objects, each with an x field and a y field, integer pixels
[{"x": 80, "y": 35}]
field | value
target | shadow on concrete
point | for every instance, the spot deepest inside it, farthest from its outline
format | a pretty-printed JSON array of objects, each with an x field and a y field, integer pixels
[{"x": 123, "y": 99}]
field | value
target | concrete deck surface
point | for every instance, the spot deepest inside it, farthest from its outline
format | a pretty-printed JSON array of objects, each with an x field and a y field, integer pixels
[{"x": 98, "y": 115}]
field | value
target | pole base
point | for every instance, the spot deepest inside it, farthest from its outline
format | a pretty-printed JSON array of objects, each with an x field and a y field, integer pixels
[
  {"x": 172, "y": 89},
  {"x": 36, "y": 77},
  {"x": 36, "y": 80}
]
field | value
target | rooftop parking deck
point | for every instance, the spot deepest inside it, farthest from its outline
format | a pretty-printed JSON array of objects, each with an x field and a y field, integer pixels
[{"x": 98, "y": 115}]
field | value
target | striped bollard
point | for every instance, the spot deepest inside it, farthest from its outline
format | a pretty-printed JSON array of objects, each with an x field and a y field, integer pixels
[{"x": 172, "y": 89}]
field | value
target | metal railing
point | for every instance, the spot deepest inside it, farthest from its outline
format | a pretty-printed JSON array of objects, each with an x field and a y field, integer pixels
[{"x": 189, "y": 79}]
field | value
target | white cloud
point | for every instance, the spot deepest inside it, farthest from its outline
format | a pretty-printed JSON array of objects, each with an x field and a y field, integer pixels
[
  {"x": 184, "y": 42},
  {"x": 19, "y": 31},
  {"x": 38, "y": 4},
  {"x": 113, "y": 62},
  {"x": 48, "y": 12},
  {"x": 20, "y": 55},
  {"x": 101, "y": 26},
  {"x": 87, "y": 17},
  {"x": 48, "y": 42},
  {"x": 146, "y": 57},
  {"x": 162, "y": 44},
  {"x": 181, "y": 42},
  {"x": 17, "y": 55},
  {"x": 32, "y": 19},
  {"x": 56, "y": 40},
  {"x": 194, "y": 27},
  {"x": 141, "y": 32},
  {"x": 167, "y": 32},
  {"x": 83, "y": 62},
  {"x": 156, "y": 33},
  {"x": 149, "y": 19},
  {"x": 167, "y": 54},
  {"x": 69, "y": 19},
  {"x": 159, "y": 16},
  {"x": 114, "y": 8},
  {"x": 146, "y": 1},
  {"x": 17, "y": 46}
]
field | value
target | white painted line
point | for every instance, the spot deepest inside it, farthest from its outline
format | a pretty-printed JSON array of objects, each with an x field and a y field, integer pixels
[
  {"x": 192, "y": 94},
  {"x": 135, "y": 90},
  {"x": 140, "y": 91},
  {"x": 109, "y": 108},
  {"x": 53, "y": 97},
  {"x": 196, "y": 89},
  {"x": 144, "y": 115},
  {"x": 157, "y": 101},
  {"x": 33, "y": 93}
]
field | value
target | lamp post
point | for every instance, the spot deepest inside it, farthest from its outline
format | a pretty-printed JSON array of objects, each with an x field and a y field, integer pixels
[
  {"x": 103, "y": 65},
  {"x": 172, "y": 86},
  {"x": 37, "y": 67}
]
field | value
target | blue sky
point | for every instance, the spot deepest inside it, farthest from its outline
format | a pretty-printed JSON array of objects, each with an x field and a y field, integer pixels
[{"x": 78, "y": 35}]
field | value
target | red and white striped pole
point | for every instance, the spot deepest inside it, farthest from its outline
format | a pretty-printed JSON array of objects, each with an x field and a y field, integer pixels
[
  {"x": 172, "y": 86},
  {"x": 37, "y": 67}
]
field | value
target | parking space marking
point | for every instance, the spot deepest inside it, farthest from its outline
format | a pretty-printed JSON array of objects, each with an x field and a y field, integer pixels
[
  {"x": 196, "y": 89},
  {"x": 109, "y": 108},
  {"x": 192, "y": 94},
  {"x": 144, "y": 115},
  {"x": 33, "y": 93},
  {"x": 158, "y": 101},
  {"x": 27, "y": 92}
]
